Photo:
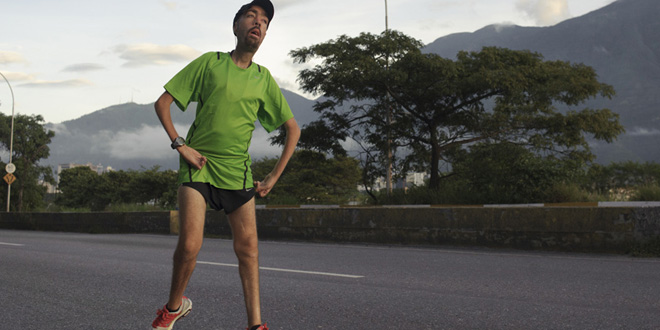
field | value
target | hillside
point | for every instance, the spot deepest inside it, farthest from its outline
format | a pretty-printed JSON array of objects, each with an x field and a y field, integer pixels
[
  {"x": 619, "y": 41},
  {"x": 129, "y": 136}
]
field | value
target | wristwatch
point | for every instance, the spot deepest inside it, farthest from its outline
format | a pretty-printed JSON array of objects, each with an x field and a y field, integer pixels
[{"x": 178, "y": 142}]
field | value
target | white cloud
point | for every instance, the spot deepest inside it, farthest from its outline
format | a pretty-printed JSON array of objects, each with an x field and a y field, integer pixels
[
  {"x": 59, "y": 129},
  {"x": 281, "y": 4},
  {"x": 137, "y": 55},
  {"x": 18, "y": 76},
  {"x": 21, "y": 79},
  {"x": 7, "y": 57},
  {"x": 83, "y": 67},
  {"x": 502, "y": 26},
  {"x": 544, "y": 12},
  {"x": 58, "y": 83},
  {"x": 641, "y": 131},
  {"x": 148, "y": 142},
  {"x": 171, "y": 5}
]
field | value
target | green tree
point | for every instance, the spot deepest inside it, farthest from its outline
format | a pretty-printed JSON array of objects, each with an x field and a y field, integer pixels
[
  {"x": 360, "y": 66},
  {"x": 311, "y": 178},
  {"x": 510, "y": 173},
  {"x": 82, "y": 187},
  {"x": 168, "y": 200},
  {"x": 149, "y": 185},
  {"x": 31, "y": 141},
  {"x": 441, "y": 105},
  {"x": 119, "y": 187},
  {"x": 622, "y": 175}
]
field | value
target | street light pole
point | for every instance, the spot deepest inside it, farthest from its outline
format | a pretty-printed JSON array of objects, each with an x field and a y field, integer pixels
[
  {"x": 11, "y": 138},
  {"x": 386, "y": 24},
  {"x": 388, "y": 182}
]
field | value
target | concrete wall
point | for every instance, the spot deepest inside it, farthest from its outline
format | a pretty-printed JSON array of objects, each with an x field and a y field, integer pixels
[
  {"x": 98, "y": 222},
  {"x": 565, "y": 228}
]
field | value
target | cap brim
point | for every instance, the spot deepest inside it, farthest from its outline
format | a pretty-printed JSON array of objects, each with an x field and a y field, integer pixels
[{"x": 265, "y": 5}]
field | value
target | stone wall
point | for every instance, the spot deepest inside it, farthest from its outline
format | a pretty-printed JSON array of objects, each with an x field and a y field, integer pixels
[{"x": 565, "y": 228}]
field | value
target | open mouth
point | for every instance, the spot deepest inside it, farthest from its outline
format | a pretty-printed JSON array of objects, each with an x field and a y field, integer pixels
[{"x": 255, "y": 32}]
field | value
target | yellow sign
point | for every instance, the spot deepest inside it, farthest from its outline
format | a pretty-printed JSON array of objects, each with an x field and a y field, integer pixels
[{"x": 9, "y": 178}]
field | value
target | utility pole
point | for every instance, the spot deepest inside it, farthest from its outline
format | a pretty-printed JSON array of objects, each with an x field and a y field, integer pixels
[
  {"x": 386, "y": 25},
  {"x": 10, "y": 168},
  {"x": 388, "y": 182}
]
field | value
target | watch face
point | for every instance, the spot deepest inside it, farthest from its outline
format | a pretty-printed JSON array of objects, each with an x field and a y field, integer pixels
[{"x": 178, "y": 142}]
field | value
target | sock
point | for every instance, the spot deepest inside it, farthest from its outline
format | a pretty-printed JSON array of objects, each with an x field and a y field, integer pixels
[{"x": 172, "y": 311}]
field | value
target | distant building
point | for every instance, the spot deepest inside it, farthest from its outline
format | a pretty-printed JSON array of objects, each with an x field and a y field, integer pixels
[
  {"x": 99, "y": 169},
  {"x": 50, "y": 189},
  {"x": 411, "y": 180}
]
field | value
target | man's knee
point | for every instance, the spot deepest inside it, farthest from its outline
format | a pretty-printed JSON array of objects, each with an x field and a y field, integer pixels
[
  {"x": 186, "y": 251},
  {"x": 247, "y": 248}
]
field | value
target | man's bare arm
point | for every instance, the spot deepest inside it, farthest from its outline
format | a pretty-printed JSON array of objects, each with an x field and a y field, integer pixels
[
  {"x": 191, "y": 155},
  {"x": 292, "y": 136}
]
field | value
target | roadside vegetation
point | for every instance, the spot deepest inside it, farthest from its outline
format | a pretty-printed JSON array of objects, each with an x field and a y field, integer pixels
[{"x": 494, "y": 126}]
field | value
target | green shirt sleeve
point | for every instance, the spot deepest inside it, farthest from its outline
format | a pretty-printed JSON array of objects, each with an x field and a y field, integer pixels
[
  {"x": 275, "y": 110},
  {"x": 185, "y": 86}
]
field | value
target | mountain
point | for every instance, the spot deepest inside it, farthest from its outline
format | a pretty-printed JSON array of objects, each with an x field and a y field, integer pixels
[
  {"x": 620, "y": 41},
  {"x": 130, "y": 136}
]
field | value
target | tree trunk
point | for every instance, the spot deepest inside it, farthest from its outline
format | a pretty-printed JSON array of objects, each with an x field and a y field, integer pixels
[
  {"x": 434, "y": 182},
  {"x": 20, "y": 198}
]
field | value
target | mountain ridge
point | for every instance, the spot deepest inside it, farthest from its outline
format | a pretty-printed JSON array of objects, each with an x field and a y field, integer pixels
[
  {"x": 130, "y": 136},
  {"x": 619, "y": 41}
]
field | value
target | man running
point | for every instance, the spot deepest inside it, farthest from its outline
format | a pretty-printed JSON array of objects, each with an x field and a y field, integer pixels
[{"x": 231, "y": 93}]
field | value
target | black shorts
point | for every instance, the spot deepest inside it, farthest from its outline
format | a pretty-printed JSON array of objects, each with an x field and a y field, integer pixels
[{"x": 219, "y": 199}]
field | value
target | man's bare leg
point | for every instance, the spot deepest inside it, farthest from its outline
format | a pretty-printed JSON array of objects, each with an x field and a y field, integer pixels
[
  {"x": 246, "y": 246},
  {"x": 192, "y": 212}
]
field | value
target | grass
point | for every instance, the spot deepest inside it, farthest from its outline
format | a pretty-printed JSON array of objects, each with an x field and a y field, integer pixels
[{"x": 649, "y": 249}]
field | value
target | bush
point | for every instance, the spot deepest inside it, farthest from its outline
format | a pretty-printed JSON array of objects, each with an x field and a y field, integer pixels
[
  {"x": 127, "y": 207},
  {"x": 571, "y": 192},
  {"x": 453, "y": 192},
  {"x": 647, "y": 193},
  {"x": 649, "y": 249}
]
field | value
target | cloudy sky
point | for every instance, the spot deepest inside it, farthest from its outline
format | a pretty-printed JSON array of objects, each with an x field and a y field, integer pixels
[{"x": 68, "y": 58}]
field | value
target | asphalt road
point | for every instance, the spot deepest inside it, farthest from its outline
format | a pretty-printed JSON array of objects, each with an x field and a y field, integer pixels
[{"x": 80, "y": 281}]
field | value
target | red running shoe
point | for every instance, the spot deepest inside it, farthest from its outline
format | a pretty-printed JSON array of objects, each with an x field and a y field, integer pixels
[
  {"x": 165, "y": 319},
  {"x": 261, "y": 327}
]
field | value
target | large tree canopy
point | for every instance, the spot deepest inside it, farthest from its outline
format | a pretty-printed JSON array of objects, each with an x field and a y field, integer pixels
[
  {"x": 312, "y": 178},
  {"x": 30, "y": 145},
  {"x": 439, "y": 105},
  {"x": 83, "y": 188}
]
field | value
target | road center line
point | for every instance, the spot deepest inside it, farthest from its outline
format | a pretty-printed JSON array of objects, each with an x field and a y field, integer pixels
[
  {"x": 11, "y": 244},
  {"x": 283, "y": 270}
]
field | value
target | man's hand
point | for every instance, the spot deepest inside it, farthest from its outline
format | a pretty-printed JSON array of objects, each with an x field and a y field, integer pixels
[
  {"x": 292, "y": 136},
  {"x": 264, "y": 187},
  {"x": 192, "y": 156}
]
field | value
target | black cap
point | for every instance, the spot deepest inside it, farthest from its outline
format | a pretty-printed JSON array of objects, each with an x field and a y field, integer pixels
[{"x": 265, "y": 4}]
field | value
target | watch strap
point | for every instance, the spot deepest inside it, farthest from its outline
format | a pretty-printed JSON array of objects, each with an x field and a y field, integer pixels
[{"x": 179, "y": 141}]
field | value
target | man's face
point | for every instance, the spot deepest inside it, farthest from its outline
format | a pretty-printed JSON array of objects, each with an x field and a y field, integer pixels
[{"x": 251, "y": 28}]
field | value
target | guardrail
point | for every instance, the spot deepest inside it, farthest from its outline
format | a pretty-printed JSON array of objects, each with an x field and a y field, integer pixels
[{"x": 574, "y": 227}]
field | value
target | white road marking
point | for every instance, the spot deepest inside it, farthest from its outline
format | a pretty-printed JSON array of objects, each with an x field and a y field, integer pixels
[
  {"x": 11, "y": 244},
  {"x": 284, "y": 270}
]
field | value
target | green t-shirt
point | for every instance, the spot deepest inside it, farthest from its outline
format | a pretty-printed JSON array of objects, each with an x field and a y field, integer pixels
[{"x": 230, "y": 100}]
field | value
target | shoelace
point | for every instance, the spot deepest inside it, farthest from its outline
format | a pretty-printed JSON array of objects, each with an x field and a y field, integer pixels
[{"x": 164, "y": 317}]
